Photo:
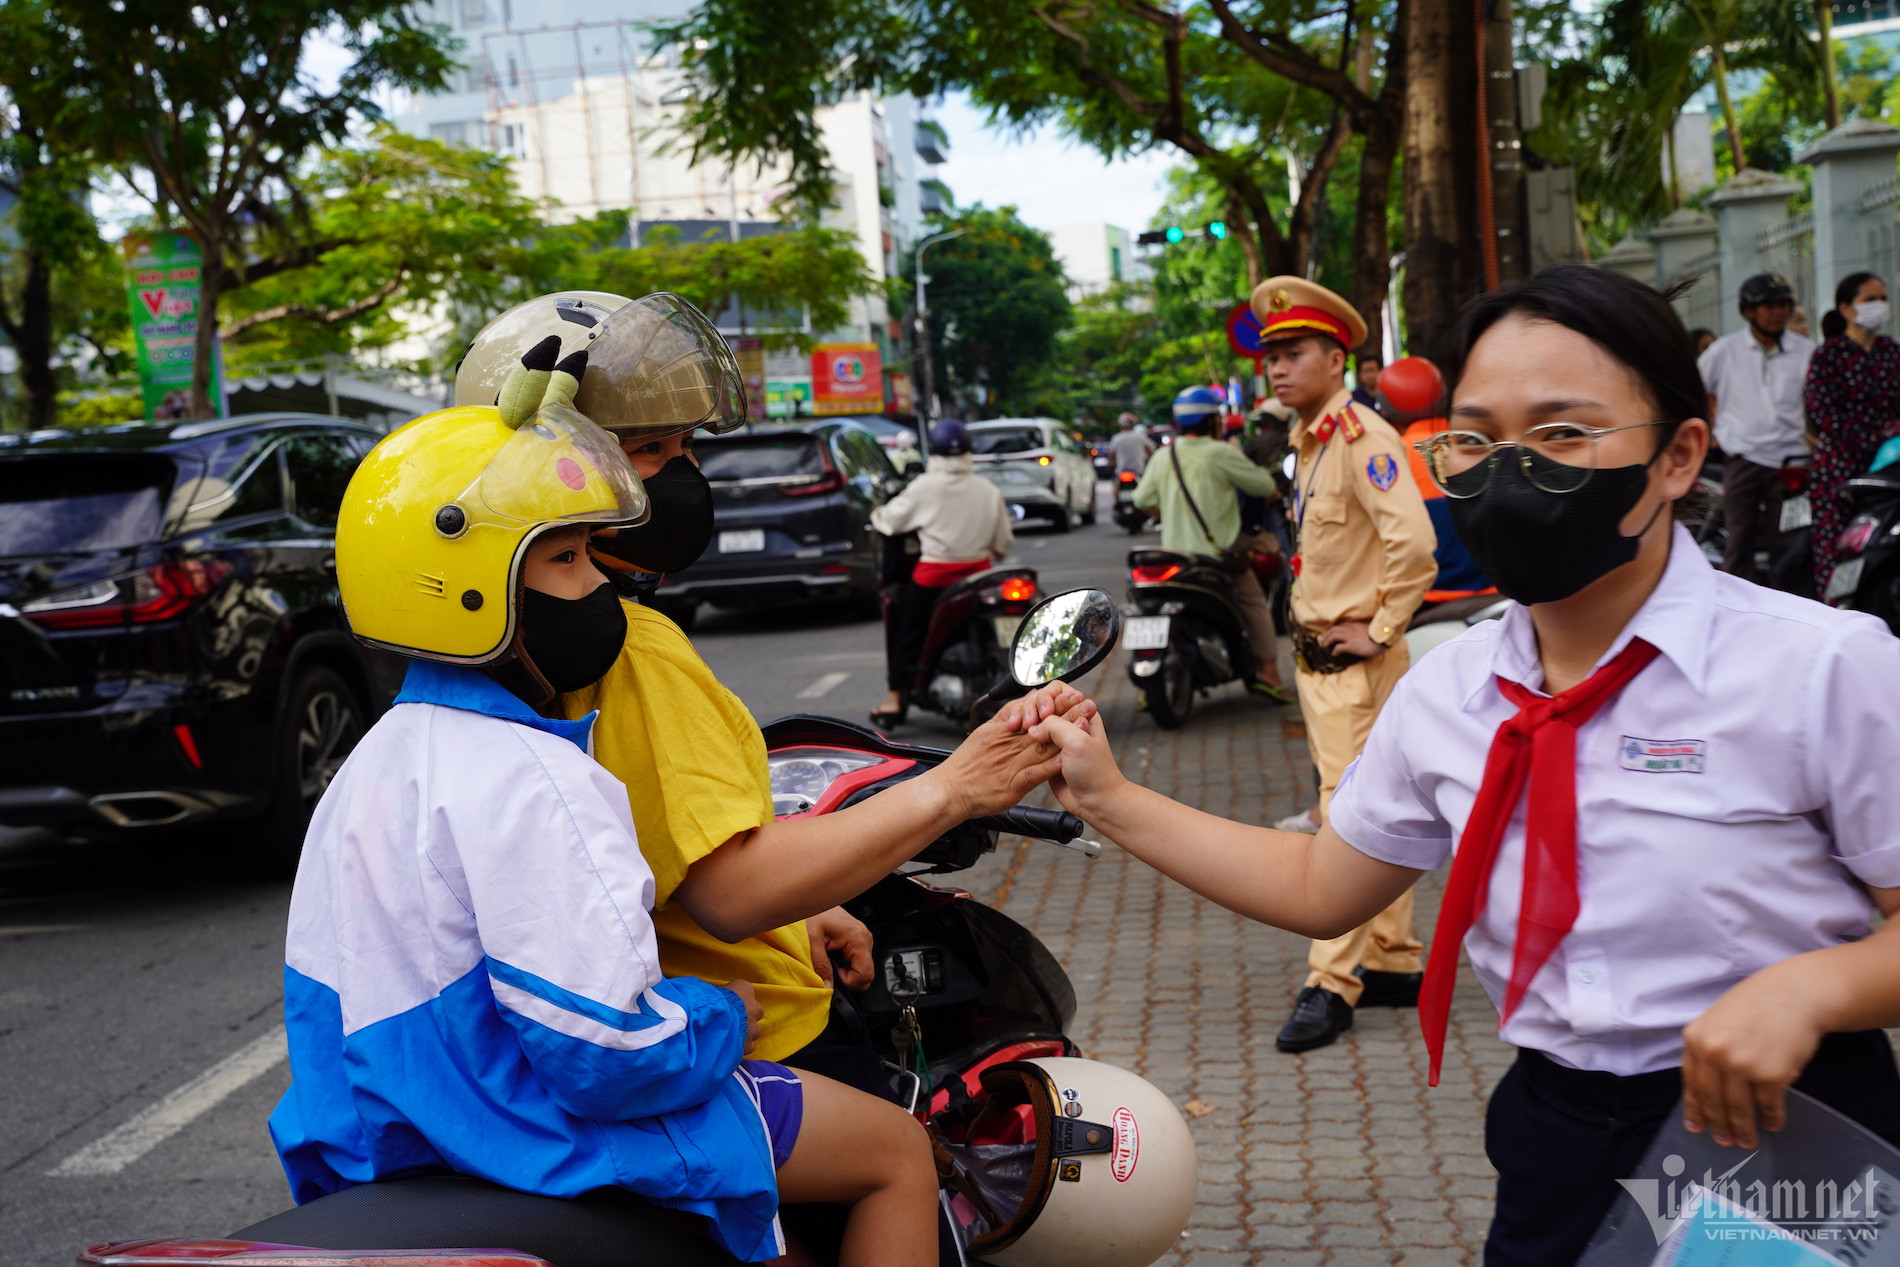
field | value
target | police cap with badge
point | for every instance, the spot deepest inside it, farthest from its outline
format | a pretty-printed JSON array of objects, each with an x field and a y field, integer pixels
[{"x": 1294, "y": 308}]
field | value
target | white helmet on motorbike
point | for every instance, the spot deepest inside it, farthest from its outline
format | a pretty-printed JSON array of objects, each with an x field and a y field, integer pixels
[{"x": 1107, "y": 1180}]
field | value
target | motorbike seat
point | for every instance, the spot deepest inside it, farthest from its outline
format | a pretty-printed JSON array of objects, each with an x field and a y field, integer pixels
[{"x": 608, "y": 1227}]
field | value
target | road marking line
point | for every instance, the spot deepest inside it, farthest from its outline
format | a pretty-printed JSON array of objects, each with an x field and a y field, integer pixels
[
  {"x": 152, "y": 1126},
  {"x": 27, "y": 930},
  {"x": 822, "y": 686}
]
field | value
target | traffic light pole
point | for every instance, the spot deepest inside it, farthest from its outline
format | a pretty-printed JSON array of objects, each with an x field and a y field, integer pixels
[{"x": 927, "y": 386}]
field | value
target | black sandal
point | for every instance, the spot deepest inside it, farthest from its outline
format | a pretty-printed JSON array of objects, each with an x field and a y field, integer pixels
[{"x": 889, "y": 721}]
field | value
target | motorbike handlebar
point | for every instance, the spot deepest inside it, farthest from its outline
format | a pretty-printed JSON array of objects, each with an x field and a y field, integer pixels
[{"x": 1054, "y": 825}]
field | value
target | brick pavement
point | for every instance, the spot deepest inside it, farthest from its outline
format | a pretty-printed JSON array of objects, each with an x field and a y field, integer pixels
[{"x": 1334, "y": 1158}]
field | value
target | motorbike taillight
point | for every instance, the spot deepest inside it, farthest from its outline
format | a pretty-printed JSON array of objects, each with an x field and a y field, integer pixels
[
  {"x": 1154, "y": 573},
  {"x": 1127, "y": 477},
  {"x": 1794, "y": 480},
  {"x": 1017, "y": 589},
  {"x": 1856, "y": 535}
]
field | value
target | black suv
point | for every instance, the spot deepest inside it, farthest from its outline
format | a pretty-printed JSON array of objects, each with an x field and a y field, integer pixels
[
  {"x": 792, "y": 505},
  {"x": 171, "y": 646}
]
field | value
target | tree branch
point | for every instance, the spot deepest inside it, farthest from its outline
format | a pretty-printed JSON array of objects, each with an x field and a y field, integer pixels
[
  {"x": 334, "y": 316},
  {"x": 1286, "y": 58}
]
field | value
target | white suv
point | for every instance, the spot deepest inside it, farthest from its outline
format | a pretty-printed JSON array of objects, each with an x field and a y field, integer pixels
[{"x": 1038, "y": 467}]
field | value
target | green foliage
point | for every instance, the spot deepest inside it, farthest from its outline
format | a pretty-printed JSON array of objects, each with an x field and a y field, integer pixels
[
  {"x": 997, "y": 303},
  {"x": 99, "y": 408}
]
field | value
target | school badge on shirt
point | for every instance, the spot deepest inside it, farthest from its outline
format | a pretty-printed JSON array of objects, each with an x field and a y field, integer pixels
[
  {"x": 1664, "y": 756},
  {"x": 1383, "y": 471}
]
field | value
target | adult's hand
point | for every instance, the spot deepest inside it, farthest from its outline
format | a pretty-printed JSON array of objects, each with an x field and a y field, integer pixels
[
  {"x": 837, "y": 930},
  {"x": 998, "y": 764},
  {"x": 1353, "y": 637}
]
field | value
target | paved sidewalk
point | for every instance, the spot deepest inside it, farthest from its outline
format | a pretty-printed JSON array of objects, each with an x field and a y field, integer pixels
[{"x": 1340, "y": 1156}]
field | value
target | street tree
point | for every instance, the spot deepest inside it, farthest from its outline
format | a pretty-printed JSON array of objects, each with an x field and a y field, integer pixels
[
  {"x": 1233, "y": 86},
  {"x": 46, "y": 172},
  {"x": 210, "y": 113},
  {"x": 997, "y": 303}
]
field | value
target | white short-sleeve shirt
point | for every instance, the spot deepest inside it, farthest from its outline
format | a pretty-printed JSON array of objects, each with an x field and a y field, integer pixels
[
  {"x": 1758, "y": 395},
  {"x": 1732, "y": 802}
]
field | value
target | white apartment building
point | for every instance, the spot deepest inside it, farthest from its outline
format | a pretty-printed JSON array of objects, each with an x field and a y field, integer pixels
[
  {"x": 1095, "y": 256},
  {"x": 573, "y": 93}
]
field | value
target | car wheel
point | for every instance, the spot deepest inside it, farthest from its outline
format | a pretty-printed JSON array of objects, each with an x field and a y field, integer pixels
[
  {"x": 1089, "y": 513},
  {"x": 1171, "y": 690},
  {"x": 320, "y": 725},
  {"x": 1063, "y": 520}
]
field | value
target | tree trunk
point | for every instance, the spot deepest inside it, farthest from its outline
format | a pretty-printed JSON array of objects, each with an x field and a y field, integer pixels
[
  {"x": 1440, "y": 198},
  {"x": 1371, "y": 232},
  {"x": 32, "y": 339},
  {"x": 1729, "y": 121},
  {"x": 205, "y": 342},
  {"x": 1830, "y": 87}
]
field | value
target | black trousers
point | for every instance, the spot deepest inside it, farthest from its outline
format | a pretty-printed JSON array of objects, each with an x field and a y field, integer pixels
[
  {"x": 907, "y": 609},
  {"x": 1751, "y": 512},
  {"x": 1561, "y": 1138}
]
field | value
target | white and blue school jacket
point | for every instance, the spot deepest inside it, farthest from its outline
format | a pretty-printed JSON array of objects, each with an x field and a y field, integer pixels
[{"x": 472, "y": 984}]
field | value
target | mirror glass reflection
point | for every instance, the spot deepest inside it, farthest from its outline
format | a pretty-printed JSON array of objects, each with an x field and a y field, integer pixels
[{"x": 1064, "y": 638}]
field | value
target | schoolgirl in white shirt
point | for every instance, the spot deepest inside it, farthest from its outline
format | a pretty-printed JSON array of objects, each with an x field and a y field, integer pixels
[{"x": 1667, "y": 795}]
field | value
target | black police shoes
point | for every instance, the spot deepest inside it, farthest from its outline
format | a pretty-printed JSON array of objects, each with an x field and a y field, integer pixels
[
  {"x": 1389, "y": 989},
  {"x": 1319, "y": 1018}
]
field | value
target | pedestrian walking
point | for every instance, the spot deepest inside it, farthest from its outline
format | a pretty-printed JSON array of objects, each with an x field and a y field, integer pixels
[
  {"x": 1366, "y": 390},
  {"x": 1362, "y": 564},
  {"x": 1853, "y": 399},
  {"x": 1664, "y": 875},
  {"x": 1754, "y": 379},
  {"x": 962, "y": 525},
  {"x": 1129, "y": 446},
  {"x": 1193, "y": 490}
]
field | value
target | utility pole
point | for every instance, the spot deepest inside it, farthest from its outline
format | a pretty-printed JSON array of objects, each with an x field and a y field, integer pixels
[{"x": 927, "y": 386}]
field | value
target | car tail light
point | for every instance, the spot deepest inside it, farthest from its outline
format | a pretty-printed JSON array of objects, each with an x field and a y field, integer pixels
[
  {"x": 1794, "y": 480},
  {"x": 1017, "y": 589},
  {"x": 1127, "y": 477},
  {"x": 1154, "y": 573},
  {"x": 830, "y": 482},
  {"x": 157, "y": 593},
  {"x": 1856, "y": 535}
]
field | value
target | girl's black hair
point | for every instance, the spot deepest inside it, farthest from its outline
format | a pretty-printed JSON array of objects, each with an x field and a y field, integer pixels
[
  {"x": 1833, "y": 324},
  {"x": 1632, "y": 322}
]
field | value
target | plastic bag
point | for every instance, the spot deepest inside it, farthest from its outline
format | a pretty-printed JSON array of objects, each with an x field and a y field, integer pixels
[{"x": 1821, "y": 1191}]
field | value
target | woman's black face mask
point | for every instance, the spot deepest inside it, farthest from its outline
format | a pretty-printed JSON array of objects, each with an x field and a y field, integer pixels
[
  {"x": 679, "y": 528},
  {"x": 573, "y": 641},
  {"x": 1539, "y": 546}
]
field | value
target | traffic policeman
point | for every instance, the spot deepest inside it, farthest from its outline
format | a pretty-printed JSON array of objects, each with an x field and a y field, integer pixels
[{"x": 1362, "y": 565}]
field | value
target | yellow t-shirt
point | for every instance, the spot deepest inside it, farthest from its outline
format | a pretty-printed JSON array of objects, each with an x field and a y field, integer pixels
[{"x": 693, "y": 761}]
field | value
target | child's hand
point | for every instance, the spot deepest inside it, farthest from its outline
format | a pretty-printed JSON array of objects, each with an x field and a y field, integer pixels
[
  {"x": 1740, "y": 1057},
  {"x": 1088, "y": 777},
  {"x": 753, "y": 1012}
]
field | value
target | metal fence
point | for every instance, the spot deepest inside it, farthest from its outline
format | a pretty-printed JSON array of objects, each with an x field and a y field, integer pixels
[{"x": 1788, "y": 248}]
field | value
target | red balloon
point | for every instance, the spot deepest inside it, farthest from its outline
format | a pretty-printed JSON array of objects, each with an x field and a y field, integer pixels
[{"x": 1411, "y": 383}]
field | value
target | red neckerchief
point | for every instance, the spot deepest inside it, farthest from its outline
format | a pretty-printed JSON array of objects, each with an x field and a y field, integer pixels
[{"x": 1538, "y": 748}]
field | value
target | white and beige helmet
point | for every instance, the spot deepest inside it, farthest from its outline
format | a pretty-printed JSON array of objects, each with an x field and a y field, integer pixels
[
  {"x": 573, "y": 316},
  {"x": 655, "y": 365},
  {"x": 1112, "y": 1177}
]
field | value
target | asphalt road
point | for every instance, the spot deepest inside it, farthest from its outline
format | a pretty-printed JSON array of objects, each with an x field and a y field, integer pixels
[{"x": 140, "y": 990}]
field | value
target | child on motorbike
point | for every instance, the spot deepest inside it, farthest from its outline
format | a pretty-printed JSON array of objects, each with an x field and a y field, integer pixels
[{"x": 472, "y": 982}]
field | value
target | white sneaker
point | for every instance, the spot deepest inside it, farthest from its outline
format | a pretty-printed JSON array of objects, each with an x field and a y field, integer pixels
[{"x": 1302, "y": 821}]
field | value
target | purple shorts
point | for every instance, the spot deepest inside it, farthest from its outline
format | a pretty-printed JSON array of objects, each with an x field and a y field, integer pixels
[{"x": 781, "y": 1100}]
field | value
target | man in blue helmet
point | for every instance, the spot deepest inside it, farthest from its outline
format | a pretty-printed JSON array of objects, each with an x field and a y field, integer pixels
[
  {"x": 1191, "y": 485},
  {"x": 962, "y": 525}
]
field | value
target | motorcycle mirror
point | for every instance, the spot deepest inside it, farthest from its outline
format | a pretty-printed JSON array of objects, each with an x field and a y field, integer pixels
[{"x": 1063, "y": 637}]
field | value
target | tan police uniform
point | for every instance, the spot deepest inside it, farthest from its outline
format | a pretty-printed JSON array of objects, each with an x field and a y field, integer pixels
[{"x": 1364, "y": 552}]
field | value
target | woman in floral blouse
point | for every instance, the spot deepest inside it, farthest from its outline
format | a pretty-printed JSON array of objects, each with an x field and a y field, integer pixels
[{"x": 1853, "y": 400}]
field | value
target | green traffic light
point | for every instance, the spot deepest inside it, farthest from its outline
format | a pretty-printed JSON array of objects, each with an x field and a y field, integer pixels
[
  {"x": 1217, "y": 230},
  {"x": 1174, "y": 233}
]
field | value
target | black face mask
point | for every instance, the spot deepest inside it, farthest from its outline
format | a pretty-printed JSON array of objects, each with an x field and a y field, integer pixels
[
  {"x": 573, "y": 641},
  {"x": 1537, "y": 546},
  {"x": 680, "y": 527}
]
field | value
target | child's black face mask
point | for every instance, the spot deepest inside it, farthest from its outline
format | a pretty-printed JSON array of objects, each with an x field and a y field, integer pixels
[{"x": 572, "y": 641}]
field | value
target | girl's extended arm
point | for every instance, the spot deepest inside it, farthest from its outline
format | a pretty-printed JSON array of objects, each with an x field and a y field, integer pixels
[{"x": 1318, "y": 886}]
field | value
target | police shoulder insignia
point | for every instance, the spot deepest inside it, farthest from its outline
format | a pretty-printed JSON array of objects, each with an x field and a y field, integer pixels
[
  {"x": 1383, "y": 471},
  {"x": 1350, "y": 424},
  {"x": 1324, "y": 431}
]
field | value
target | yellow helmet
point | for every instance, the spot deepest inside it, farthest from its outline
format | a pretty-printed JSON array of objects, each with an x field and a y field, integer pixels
[
  {"x": 573, "y": 316},
  {"x": 436, "y": 520}
]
